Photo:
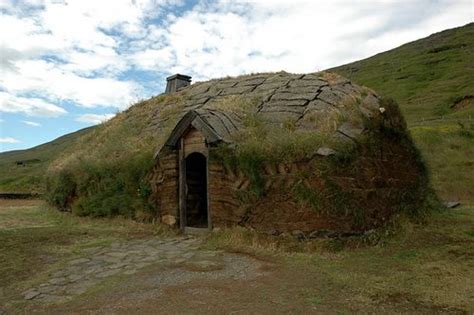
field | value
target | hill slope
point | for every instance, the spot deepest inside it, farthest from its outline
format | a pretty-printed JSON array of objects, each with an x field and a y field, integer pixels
[
  {"x": 429, "y": 77},
  {"x": 28, "y": 176},
  {"x": 432, "y": 79}
]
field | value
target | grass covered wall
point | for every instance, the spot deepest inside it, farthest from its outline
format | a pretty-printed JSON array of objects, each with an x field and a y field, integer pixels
[{"x": 290, "y": 152}]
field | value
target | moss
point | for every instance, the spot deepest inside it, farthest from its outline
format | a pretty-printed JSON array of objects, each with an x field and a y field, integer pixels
[
  {"x": 427, "y": 86},
  {"x": 109, "y": 166},
  {"x": 260, "y": 144},
  {"x": 340, "y": 199},
  {"x": 345, "y": 155},
  {"x": 263, "y": 144}
]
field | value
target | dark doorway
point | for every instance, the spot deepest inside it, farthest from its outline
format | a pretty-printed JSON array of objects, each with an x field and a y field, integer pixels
[{"x": 196, "y": 191}]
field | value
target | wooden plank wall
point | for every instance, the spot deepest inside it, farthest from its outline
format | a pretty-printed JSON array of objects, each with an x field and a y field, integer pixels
[
  {"x": 194, "y": 141},
  {"x": 223, "y": 205},
  {"x": 168, "y": 189}
]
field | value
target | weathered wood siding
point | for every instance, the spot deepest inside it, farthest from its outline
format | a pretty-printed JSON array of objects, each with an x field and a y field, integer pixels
[
  {"x": 194, "y": 141},
  {"x": 164, "y": 183},
  {"x": 223, "y": 204},
  {"x": 165, "y": 176}
]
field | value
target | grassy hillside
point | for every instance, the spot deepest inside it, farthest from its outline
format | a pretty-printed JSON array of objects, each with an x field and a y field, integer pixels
[
  {"x": 430, "y": 78},
  {"x": 28, "y": 177},
  {"x": 433, "y": 81}
]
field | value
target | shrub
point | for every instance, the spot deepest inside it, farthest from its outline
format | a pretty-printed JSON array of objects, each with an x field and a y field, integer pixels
[
  {"x": 466, "y": 132},
  {"x": 104, "y": 188},
  {"x": 61, "y": 189}
]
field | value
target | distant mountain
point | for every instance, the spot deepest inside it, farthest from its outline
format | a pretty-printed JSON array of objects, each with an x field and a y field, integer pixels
[{"x": 23, "y": 170}]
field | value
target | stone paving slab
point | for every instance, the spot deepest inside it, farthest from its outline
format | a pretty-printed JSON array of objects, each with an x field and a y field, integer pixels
[
  {"x": 120, "y": 258},
  {"x": 284, "y": 88}
]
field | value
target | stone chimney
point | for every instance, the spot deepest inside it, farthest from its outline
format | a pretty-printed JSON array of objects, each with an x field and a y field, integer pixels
[{"x": 176, "y": 81}]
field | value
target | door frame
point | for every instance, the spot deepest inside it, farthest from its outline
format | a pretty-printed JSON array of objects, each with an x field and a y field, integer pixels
[{"x": 182, "y": 185}]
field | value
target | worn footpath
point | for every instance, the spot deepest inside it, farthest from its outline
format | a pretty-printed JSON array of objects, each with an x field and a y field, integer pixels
[{"x": 127, "y": 258}]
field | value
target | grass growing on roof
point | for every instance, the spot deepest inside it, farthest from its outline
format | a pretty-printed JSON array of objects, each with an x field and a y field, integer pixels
[{"x": 106, "y": 172}]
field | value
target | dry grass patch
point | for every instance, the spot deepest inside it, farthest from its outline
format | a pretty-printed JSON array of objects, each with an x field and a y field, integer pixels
[
  {"x": 15, "y": 217},
  {"x": 243, "y": 240},
  {"x": 236, "y": 104}
]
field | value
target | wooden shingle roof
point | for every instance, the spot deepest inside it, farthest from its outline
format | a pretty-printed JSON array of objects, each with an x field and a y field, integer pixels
[{"x": 216, "y": 126}]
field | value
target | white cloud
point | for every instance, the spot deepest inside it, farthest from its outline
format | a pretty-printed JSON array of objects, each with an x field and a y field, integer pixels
[
  {"x": 31, "y": 123},
  {"x": 72, "y": 50},
  {"x": 231, "y": 38},
  {"x": 30, "y": 106},
  {"x": 80, "y": 51},
  {"x": 9, "y": 140},
  {"x": 54, "y": 83},
  {"x": 94, "y": 118}
]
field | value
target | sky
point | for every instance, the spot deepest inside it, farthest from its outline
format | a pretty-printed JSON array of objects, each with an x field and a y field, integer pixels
[{"x": 69, "y": 64}]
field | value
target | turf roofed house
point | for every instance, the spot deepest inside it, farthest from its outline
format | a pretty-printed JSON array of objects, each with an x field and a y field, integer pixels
[{"x": 283, "y": 152}]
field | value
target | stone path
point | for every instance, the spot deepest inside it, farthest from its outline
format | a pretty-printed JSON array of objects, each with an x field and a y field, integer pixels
[{"x": 121, "y": 258}]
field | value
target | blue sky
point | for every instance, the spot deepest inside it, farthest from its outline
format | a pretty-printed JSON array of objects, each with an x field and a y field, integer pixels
[{"x": 69, "y": 64}]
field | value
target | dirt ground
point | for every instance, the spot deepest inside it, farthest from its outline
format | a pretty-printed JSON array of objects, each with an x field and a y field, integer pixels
[
  {"x": 20, "y": 202},
  {"x": 53, "y": 263}
]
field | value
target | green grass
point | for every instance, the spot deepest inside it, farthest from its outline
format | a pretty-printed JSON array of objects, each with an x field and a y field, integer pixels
[
  {"x": 27, "y": 216},
  {"x": 425, "y": 80},
  {"x": 106, "y": 172},
  {"x": 418, "y": 267},
  {"x": 428, "y": 78},
  {"x": 30, "y": 177},
  {"x": 431, "y": 264},
  {"x": 449, "y": 154}
]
